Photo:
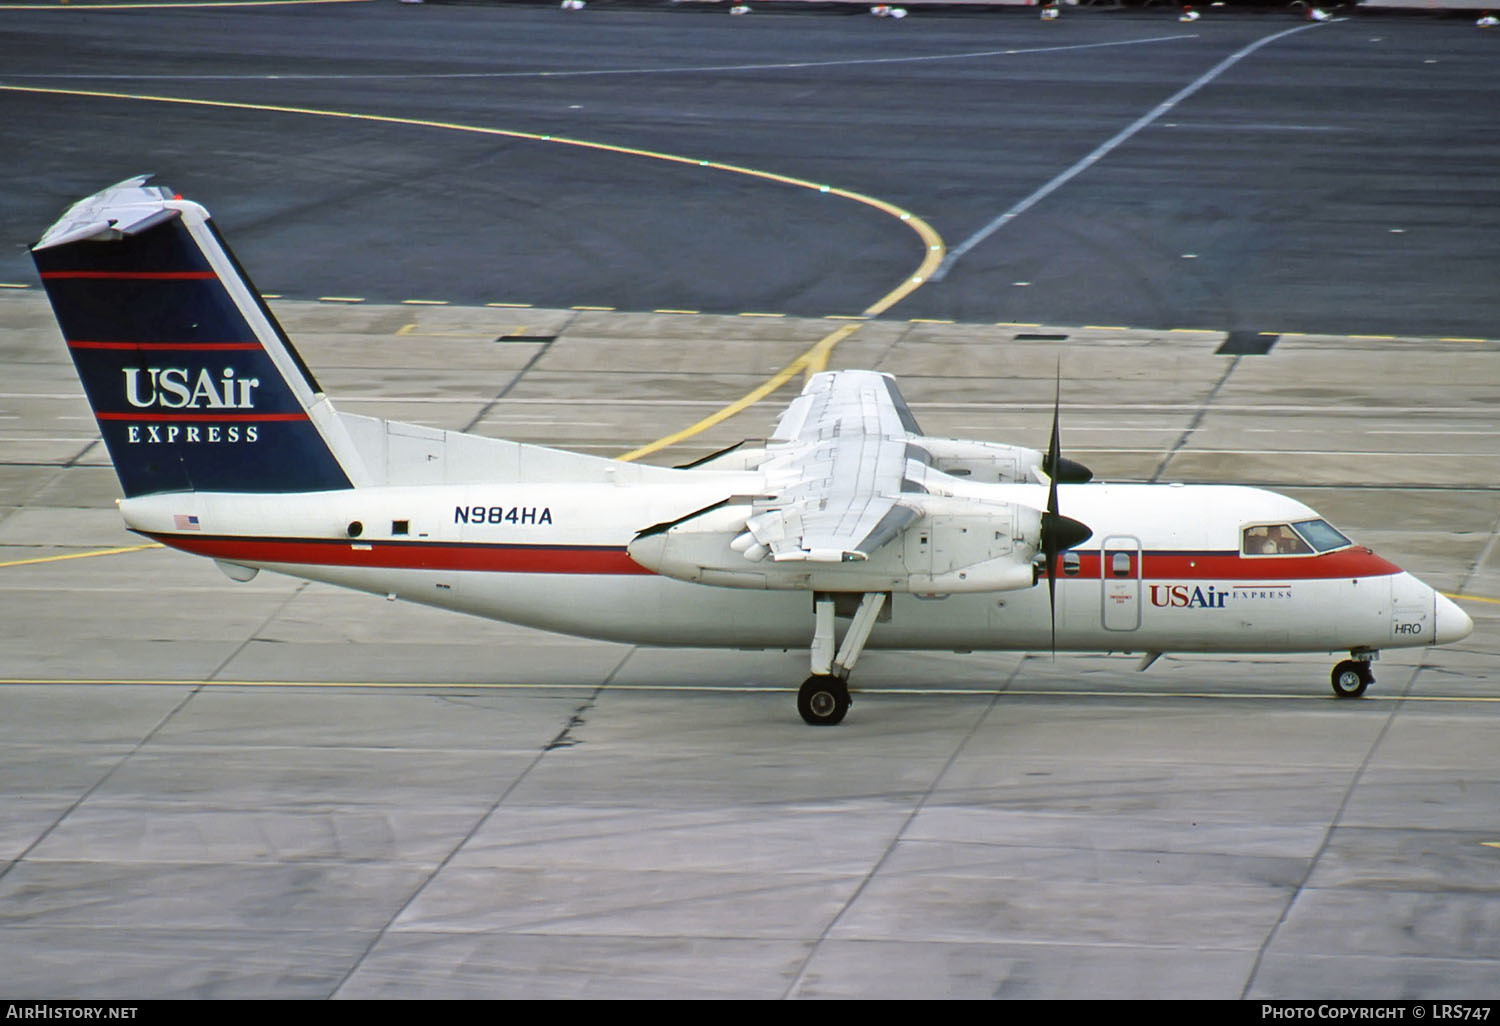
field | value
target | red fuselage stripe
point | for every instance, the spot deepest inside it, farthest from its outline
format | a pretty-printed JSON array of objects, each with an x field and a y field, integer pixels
[
  {"x": 513, "y": 559},
  {"x": 1231, "y": 566},
  {"x": 563, "y": 559}
]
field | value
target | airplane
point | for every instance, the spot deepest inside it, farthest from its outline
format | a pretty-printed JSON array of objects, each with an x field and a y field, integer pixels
[{"x": 847, "y": 515}]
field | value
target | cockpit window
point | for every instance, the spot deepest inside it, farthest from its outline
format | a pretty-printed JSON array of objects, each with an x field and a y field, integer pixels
[
  {"x": 1321, "y": 534},
  {"x": 1274, "y": 540}
]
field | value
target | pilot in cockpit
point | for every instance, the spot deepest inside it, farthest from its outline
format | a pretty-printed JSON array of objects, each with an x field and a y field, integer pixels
[{"x": 1273, "y": 540}]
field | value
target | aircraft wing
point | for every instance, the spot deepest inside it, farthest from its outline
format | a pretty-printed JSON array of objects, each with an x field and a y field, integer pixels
[{"x": 837, "y": 470}]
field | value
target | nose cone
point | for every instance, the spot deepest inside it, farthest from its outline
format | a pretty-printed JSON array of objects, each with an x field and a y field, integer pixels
[{"x": 1453, "y": 624}]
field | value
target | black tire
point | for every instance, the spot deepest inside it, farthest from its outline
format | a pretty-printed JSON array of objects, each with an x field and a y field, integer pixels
[
  {"x": 823, "y": 700},
  {"x": 1351, "y": 677}
]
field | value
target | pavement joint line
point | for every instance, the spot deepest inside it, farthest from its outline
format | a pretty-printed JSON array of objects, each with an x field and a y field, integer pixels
[
  {"x": 897, "y": 838},
  {"x": 541, "y": 351},
  {"x": 811, "y": 362},
  {"x": 1356, "y": 775},
  {"x": 1197, "y": 420},
  {"x": 463, "y": 842}
]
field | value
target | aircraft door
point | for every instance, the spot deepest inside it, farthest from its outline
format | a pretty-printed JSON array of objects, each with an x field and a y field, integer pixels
[{"x": 1120, "y": 579}]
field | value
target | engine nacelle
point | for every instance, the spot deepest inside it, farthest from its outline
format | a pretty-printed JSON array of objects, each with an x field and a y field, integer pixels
[
  {"x": 945, "y": 551},
  {"x": 992, "y": 550},
  {"x": 982, "y": 462}
]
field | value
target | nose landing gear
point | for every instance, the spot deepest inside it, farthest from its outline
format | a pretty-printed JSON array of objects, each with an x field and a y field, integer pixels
[{"x": 1352, "y": 676}]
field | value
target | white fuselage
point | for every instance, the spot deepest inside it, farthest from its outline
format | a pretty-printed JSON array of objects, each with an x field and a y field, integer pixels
[{"x": 1163, "y": 571}]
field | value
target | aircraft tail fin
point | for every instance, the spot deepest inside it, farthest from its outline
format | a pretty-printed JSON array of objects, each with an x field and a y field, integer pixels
[{"x": 193, "y": 382}]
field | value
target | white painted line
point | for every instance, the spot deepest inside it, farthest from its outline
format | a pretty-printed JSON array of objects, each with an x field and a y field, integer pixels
[
  {"x": 690, "y": 69},
  {"x": 1445, "y": 432},
  {"x": 957, "y": 253}
]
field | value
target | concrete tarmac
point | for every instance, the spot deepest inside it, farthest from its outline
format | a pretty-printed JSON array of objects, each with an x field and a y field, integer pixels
[{"x": 281, "y": 789}]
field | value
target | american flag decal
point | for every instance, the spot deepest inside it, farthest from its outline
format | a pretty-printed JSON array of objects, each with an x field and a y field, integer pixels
[{"x": 185, "y": 523}]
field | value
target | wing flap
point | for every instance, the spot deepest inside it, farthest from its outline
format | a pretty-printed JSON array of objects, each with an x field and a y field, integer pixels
[{"x": 837, "y": 471}]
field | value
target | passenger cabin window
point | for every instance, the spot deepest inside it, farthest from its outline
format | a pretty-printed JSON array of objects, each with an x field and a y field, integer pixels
[
  {"x": 1119, "y": 564},
  {"x": 1070, "y": 564}
]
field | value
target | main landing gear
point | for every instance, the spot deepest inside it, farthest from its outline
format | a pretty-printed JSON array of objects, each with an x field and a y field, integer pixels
[
  {"x": 824, "y": 697},
  {"x": 823, "y": 700},
  {"x": 1352, "y": 676}
]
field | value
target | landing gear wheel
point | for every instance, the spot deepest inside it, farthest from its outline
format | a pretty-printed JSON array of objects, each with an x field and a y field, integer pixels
[
  {"x": 1351, "y": 677},
  {"x": 823, "y": 700}
]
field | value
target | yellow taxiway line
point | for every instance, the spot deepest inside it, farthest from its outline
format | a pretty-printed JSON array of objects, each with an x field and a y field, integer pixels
[
  {"x": 812, "y": 361},
  {"x": 809, "y": 363},
  {"x": 82, "y": 555}
]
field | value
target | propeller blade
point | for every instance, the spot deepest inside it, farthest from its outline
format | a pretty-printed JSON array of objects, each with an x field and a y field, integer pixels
[
  {"x": 1052, "y": 605},
  {"x": 1059, "y": 533},
  {"x": 1049, "y": 518},
  {"x": 1054, "y": 464}
]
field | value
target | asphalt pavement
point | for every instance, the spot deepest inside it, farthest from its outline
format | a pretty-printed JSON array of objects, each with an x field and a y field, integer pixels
[{"x": 1337, "y": 178}]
